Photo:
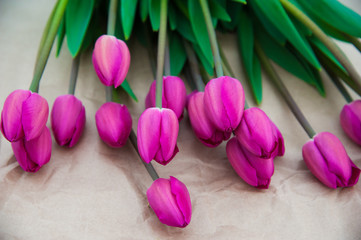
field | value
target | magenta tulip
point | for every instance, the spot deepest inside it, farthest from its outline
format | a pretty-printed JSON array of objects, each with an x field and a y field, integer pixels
[
  {"x": 205, "y": 131},
  {"x": 24, "y": 115},
  {"x": 157, "y": 135},
  {"x": 35, "y": 153},
  {"x": 259, "y": 135},
  {"x": 114, "y": 123},
  {"x": 67, "y": 120},
  {"x": 174, "y": 95},
  {"x": 327, "y": 159},
  {"x": 224, "y": 103},
  {"x": 350, "y": 119},
  {"x": 253, "y": 170},
  {"x": 111, "y": 60},
  {"x": 170, "y": 201}
]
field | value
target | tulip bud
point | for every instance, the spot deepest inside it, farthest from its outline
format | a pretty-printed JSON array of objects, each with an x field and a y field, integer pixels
[
  {"x": 205, "y": 131},
  {"x": 327, "y": 159},
  {"x": 173, "y": 97},
  {"x": 157, "y": 135},
  {"x": 35, "y": 153},
  {"x": 24, "y": 115},
  {"x": 350, "y": 119},
  {"x": 259, "y": 135},
  {"x": 224, "y": 102},
  {"x": 170, "y": 201},
  {"x": 253, "y": 170},
  {"x": 111, "y": 60},
  {"x": 67, "y": 120},
  {"x": 114, "y": 123}
]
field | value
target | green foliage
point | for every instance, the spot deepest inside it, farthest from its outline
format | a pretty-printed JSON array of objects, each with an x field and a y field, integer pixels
[{"x": 127, "y": 13}]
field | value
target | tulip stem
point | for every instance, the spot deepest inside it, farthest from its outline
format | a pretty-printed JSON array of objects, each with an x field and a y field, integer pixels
[
  {"x": 284, "y": 92},
  {"x": 112, "y": 17},
  {"x": 194, "y": 67},
  {"x": 109, "y": 93},
  {"x": 355, "y": 41},
  {"x": 339, "y": 85},
  {"x": 161, "y": 49},
  {"x": 167, "y": 59},
  {"x": 153, "y": 174},
  {"x": 335, "y": 50},
  {"x": 74, "y": 74},
  {"x": 212, "y": 37}
]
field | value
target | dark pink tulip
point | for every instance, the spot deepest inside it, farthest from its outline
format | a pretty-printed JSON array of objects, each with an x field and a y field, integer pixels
[
  {"x": 35, "y": 153},
  {"x": 205, "y": 131},
  {"x": 170, "y": 201},
  {"x": 67, "y": 120},
  {"x": 173, "y": 97},
  {"x": 327, "y": 159},
  {"x": 259, "y": 135},
  {"x": 111, "y": 60},
  {"x": 253, "y": 170},
  {"x": 114, "y": 123},
  {"x": 350, "y": 119},
  {"x": 224, "y": 102},
  {"x": 24, "y": 115},
  {"x": 157, "y": 135}
]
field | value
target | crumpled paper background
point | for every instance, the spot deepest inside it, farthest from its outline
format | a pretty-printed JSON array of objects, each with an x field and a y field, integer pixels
[{"x": 95, "y": 192}]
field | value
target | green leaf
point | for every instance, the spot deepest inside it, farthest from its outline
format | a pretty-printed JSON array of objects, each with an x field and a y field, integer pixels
[
  {"x": 127, "y": 13},
  {"x": 207, "y": 66},
  {"x": 172, "y": 16},
  {"x": 144, "y": 7},
  {"x": 126, "y": 87},
  {"x": 275, "y": 13},
  {"x": 154, "y": 14},
  {"x": 182, "y": 6},
  {"x": 200, "y": 29},
  {"x": 218, "y": 11},
  {"x": 240, "y": 1},
  {"x": 60, "y": 37},
  {"x": 177, "y": 54},
  {"x": 184, "y": 28},
  {"x": 77, "y": 18},
  {"x": 233, "y": 9},
  {"x": 250, "y": 61}
]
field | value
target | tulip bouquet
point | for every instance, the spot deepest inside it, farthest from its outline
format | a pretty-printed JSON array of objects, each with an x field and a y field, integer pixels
[{"x": 292, "y": 33}]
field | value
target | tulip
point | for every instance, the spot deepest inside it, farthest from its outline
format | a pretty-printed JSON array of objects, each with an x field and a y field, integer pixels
[
  {"x": 111, "y": 60},
  {"x": 224, "y": 103},
  {"x": 114, "y": 123},
  {"x": 157, "y": 135},
  {"x": 170, "y": 201},
  {"x": 24, "y": 115},
  {"x": 327, "y": 159},
  {"x": 259, "y": 135},
  {"x": 173, "y": 97},
  {"x": 35, "y": 153},
  {"x": 350, "y": 119},
  {"x": 205, "y": 131},
  {"x": 67, "y": 120},
  {"x": 253, "y": 170}
]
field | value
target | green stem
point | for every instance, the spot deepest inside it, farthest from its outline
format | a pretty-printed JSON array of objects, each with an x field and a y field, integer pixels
[
  {"x": 194, "y": 67},
  {"x": 284, "y": 92},
  {"x": 212, "y": 37},
  {"x": 355, "y": 41},
  {"x": 74, "y": 74},
  {"x": 303, "y": 18},
  {"x": 112, "y": 17},
  {"x": 339, "y": 85},
  {"x": 153, "y": 174},
  {"x": 167, "y": 59},
  {"x": 161, "y": 49},
  {"x": 46, "y": 42}
]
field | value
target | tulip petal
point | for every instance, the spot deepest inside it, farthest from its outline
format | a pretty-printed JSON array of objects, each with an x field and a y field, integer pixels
[
  {"x": 79, "y": 127},
  {"x": 175, "y": 94},
  {"x": 181, "y": 194},
  {"x": 148, "y": 133},
  {"x": 124, "y": 56},
  {"x": 150, "y": 99},
  {"x": 354, "y": 176},
  {"x": 280, "y": 142},
  {"x": 350, "y": 119},
  {"x": 34, "y": 116},
  {"x": 11, "y": 126}
]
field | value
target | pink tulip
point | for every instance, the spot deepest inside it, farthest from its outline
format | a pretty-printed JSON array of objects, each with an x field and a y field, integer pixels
[
  {"x": 170, "y": 201},
  {"x": 24, "y": 115},
  {"x": 350, "y": 119},
  {"x": 224, "y": 102},
  {"x": 205, "y": 131},
  {"x": 114, "y": 123},
  {"x": 173, "y": 97},
  {"x": 253, "y": 170},
  {"x": 67, "y": 120},
  {"x": 111, "y": 60},
  {"x": 157, "y": 135},
  {"x": 327, "y": 159},
  {"x": 35, "y": 153},
  {"x": 259, "y": 135}
]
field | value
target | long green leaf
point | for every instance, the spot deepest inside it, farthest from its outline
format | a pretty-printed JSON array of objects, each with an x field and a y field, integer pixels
[
  {"x": 177, "y": 54},
  {"x": 172, "y": 16},
  {"x": 127, "y": 13},
  {"x": 218, "y": 11},
  {"x": 184, "y": 28},
  {"x": 125, "y": 85},
  {"x": 60, "y": 37},
  {"x": 144, "y": 9},
  {"x": 233, "y": 9},
  {"x": 154, "y": 14},
  {"x": 207, "y": 66}
]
